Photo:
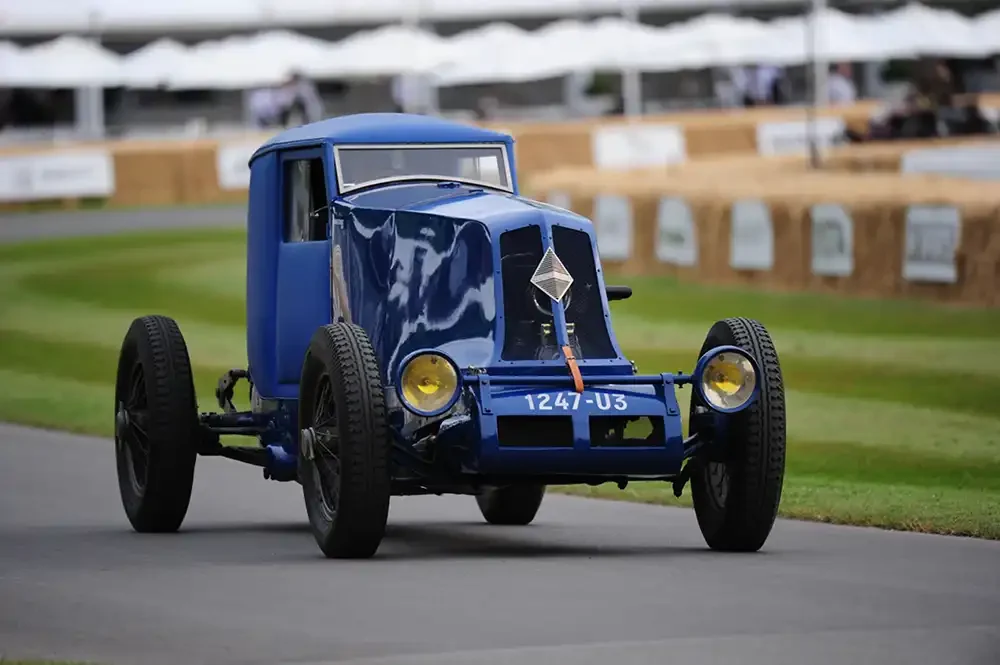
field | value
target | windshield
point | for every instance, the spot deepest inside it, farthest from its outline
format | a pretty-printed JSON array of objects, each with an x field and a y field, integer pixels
[{"x": 360, "y": 166}]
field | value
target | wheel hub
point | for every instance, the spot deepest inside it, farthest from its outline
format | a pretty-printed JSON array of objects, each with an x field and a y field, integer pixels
[
  {"x": 307, "y": 442},
  {"x": 122, "y": 421}
]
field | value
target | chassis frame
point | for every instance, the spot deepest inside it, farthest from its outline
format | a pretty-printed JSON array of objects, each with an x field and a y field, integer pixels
[{"x": 280, "y": 442}]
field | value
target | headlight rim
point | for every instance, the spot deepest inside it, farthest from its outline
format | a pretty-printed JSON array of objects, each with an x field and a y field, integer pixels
[
  {"x": 703, "y": 362},
  {"x": 401, "y": 369}
]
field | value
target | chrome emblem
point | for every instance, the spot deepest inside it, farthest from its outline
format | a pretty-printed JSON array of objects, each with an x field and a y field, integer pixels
[{"x": 551, "y": 276}]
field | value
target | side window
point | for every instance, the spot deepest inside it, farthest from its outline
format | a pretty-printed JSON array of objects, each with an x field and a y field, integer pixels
[{"x": 305, "y": 198}]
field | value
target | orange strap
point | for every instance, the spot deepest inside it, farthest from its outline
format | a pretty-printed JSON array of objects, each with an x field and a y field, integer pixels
[{"x": 574, "y": 369}]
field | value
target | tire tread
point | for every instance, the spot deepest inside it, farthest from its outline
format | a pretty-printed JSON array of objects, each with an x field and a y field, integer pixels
[
  {"x": 343, "y": 351},
  {"x": 171, "y": 429},
  {"x": 756, "y": 466}
]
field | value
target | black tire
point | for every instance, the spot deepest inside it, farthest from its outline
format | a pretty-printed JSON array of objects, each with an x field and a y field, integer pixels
[
  {"x": 736, "y": 498},
  {"x": 156, "y": 425},
  {"x": 345, "y": 479},
  {"x": 511, "y": 505}
]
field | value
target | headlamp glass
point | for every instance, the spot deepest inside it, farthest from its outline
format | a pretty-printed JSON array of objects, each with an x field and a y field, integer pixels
[
  {"x": 428, "y": 383},
  {"x": 728, "y": 381}
]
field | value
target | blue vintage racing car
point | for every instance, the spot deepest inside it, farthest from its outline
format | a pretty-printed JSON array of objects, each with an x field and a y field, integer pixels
[{"x": 415, "y": 326}]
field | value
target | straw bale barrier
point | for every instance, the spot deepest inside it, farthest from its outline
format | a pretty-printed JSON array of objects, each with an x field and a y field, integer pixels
[
  {"x": 789, "y": 228},
  {"x": 716, "y": 196},
  {"x": 204, "y": 171}
]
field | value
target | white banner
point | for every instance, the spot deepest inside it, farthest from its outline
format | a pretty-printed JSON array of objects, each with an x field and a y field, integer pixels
[
  {"x": 782, "y": 138},
  {"x": 560, "y": 199},
  {"x": 232, "y": 163},
  {"x": 632, "y": 146},
  {"x": 977, "y": 162},
  {"x": 613, "y": 227},
  {"x": 932, "y": 238},
  {"x": 57, "y": 175},
  {"x": 751, "y": 236},
  {"x": 832, "y": 240},
  {"x": 676, "y": 241}
]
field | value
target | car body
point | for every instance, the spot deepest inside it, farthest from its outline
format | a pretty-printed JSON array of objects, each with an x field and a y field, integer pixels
[{"x": 393, "y": 264}]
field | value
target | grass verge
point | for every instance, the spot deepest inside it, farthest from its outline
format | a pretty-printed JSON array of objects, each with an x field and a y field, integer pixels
[{"x": 891, "y": 423}]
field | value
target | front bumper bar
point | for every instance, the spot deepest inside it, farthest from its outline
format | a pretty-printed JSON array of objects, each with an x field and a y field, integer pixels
[{"x": 629, "y": 396}]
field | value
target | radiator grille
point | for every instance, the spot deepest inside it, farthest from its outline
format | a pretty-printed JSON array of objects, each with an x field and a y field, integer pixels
[
  {"x": 586, "y": 310},
  {"x": 520, "y": 253}
]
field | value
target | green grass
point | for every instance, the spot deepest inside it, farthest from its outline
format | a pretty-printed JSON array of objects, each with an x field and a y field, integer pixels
[{"x": 892, "y": 416}]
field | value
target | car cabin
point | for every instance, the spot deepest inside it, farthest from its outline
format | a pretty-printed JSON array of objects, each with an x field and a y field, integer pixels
[{"x": 296, "y": 177}]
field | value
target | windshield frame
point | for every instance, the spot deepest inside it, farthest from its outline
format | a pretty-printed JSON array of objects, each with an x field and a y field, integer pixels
[{"x": 342, "y": 190}]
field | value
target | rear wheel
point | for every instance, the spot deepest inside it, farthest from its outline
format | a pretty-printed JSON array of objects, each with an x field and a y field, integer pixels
[
  {"x": 736, "y": 492},
  {"x": 512, "y": 505},
  {"x": 344, "y": 461},
  {"x": 156, "y": 424}
]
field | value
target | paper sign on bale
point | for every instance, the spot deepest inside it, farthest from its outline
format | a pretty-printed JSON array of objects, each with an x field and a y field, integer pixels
[
  {"x": 832, "y": 240},
  {"x": 613, "y": 222},
  {"x": 979, "y": 162},
  {"x": 932, "y": 239},
  {"x": 795, "y": 136},
  {"x": 751, "y": 236},
  {"x": 57, "y": 175},
  {"x": 232, "y": 163},
  {"x": 640, "y": 145},
  {"x": 676, "y": 237}
]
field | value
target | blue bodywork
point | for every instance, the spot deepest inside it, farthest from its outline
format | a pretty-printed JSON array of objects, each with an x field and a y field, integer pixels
[{"x": 418, "y": 266}]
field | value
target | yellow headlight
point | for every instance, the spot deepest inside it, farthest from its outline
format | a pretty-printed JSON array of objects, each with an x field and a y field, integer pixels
[
  {"x": 429, "y": 382},
  {"x": 728, "y": 381}
]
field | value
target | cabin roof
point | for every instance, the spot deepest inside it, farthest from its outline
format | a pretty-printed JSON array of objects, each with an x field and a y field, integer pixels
[{"x": 389, "y": 128}]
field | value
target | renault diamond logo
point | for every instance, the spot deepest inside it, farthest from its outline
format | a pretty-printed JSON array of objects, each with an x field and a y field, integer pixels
[{"x": 551, "y": 276}]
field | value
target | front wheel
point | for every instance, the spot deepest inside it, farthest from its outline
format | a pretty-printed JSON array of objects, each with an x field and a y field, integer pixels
[
  {"x": 512, "y": 505},
  {"x": 736, "y": 492},
  {"x": 156, "y": 425},
  {"x": 344, "y": 458}
]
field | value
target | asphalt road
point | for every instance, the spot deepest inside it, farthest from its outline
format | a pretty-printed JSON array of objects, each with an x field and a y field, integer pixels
[
  {"x": 27, "y": 226},
  {"x": 589, "y": 582}
]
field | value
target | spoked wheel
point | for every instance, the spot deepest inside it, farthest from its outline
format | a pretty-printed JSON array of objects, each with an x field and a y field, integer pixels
[
  {"x": 156, "y": 421},
  {"x": 736, "y": 492},
  {"x": 344, "y": 458},
  {"x": 131, "y": 420},
  {"x": 325, "y": 450},
  {"x": 511, "y": 505}
]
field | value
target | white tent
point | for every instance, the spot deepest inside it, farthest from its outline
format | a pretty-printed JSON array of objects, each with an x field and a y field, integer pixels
[
  {"x": 707, "y": 41},
  {"x": 495, "y": 53},
  {"x": 920, "y": 30},
  {"x": 65, "y": 62},
  {"x": 388, "y": 51},
  {"x": 986, "y": 31},
  {"x": 153, "y": 64},
  {"x": 246, "y": 62}
]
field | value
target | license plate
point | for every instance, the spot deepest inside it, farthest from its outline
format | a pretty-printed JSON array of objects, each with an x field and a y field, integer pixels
[{"x": 571, "y": 401}]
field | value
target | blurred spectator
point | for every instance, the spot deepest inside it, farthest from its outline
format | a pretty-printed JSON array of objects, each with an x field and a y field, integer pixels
[
  {"x": 265, "y": 108},
  {"x": 487, "y": 108},
  {"x": 840, "y": 87},
  {"x": 728, "y": 93},
  {"x": 761, "y": 85},
  {"x": 767, "y": 84},
  {"x": 740, "y": 78},
  {"x": 413, "y": 93},
  {"x": 295, "y": 102},
  {"x": 301, "y": 100},
  {"x": 934, "y": 84}
]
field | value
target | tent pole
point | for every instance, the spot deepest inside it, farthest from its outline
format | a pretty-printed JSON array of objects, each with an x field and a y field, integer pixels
[
  {"x": 631, "y": 78},
  {"x": 817, "y": 66}
]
